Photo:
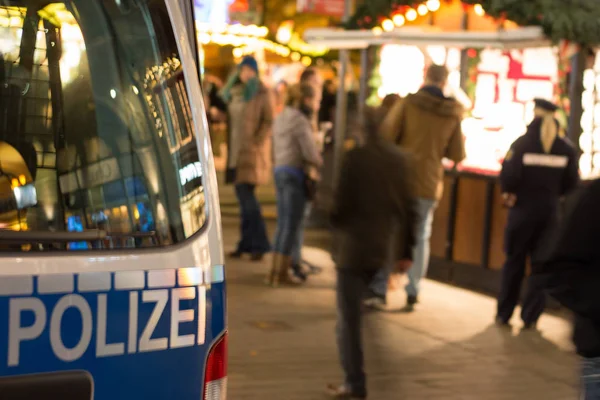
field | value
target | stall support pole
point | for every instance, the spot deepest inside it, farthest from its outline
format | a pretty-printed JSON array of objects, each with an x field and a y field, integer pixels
[
  {"x": 575, "y": 93},
  {"x": 364, "y": 84},
  {"x": 341, "y": 105},
  {"x": 452, "y": 217},
  {"x": 487, "y": 224}
]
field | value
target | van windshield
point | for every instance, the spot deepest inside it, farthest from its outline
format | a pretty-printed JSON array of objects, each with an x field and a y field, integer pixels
[{"x": 96, "y": 129}]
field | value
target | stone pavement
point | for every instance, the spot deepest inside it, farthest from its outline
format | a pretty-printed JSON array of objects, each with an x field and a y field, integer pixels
[{"x": 282, "y": 342}]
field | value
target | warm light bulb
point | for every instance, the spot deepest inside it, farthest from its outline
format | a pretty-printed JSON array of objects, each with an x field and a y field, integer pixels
[
  {"x": 411, "y": 15},
  {"x": 478, "y": 8},
  {"x": 238, "y": 53},
  {"x": 399, "y": 20},
  {"x": 387, "y": 25},
  {"x": 423, "y": 10},
  {"x": 295, "y": 57},
  {"x": 22, "y": 180},
  {"x": 377, "y": 31},
  {"x": 433, "y": 5},
  {"x": 306, "y": 61}
]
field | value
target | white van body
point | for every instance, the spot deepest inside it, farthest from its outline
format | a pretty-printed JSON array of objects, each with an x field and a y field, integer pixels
[{"x": 112, "y": 282}]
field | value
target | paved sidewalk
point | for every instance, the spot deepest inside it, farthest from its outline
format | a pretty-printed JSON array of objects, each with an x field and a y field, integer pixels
[{"x": 282, "y": 343}]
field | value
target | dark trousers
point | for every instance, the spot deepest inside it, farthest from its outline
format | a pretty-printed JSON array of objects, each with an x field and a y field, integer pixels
[
  {"x": 351, "y": 286},
  {"x": 591, "y": 379},
  {"x": 528, "y": 235},
  {"x": 291, "y": 202},
  {"x": 253, "y": 232}
]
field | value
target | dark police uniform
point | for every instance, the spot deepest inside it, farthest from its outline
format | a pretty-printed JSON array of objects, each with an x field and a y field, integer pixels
[{"x": 538, "y": 180}]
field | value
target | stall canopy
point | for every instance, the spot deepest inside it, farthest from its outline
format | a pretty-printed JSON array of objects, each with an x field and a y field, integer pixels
[{"x": 526, "y": 37}]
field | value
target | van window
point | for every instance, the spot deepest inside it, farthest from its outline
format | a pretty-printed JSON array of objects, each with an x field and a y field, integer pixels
[{"x": 96, "y": 130}]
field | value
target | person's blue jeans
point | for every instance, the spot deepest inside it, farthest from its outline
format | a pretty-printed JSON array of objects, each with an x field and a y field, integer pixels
[
  {"x": 297, "y": 251},
  {"x": 590, "y": 375},
  {"x": 291, "y": 201},
  {"x": 253, "y": 231},
  {"x": 421, "y": 252}
]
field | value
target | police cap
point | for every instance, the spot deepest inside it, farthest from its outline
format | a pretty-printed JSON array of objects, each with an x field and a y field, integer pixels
[{"x": 545, "y": 105}]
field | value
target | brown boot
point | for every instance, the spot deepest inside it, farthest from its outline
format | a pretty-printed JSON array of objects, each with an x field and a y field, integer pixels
[
  {"x": 284, "y": 277},
  {"x": 273, "y": 275}
]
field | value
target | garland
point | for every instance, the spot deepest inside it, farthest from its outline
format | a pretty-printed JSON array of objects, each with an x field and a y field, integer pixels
[
  {"x": 473, "y": 61},
  {"x": 573, "y": 20}
]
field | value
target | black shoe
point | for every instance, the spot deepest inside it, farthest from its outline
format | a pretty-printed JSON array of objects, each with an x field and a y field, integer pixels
[
  {"x": 412, "y": 300},
  {"x": 257, "y": 256},
  {"x": 374, "y": 300},
  {"x": 530, "y": 326},
  {"x": 236, "y": 254},
  {"x": 299, "y": 273},
  {"x": 342, "y": 392},
  {"x": 502, "y": 323}
]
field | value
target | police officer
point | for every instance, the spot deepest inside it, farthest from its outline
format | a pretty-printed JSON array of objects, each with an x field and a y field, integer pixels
[{"x": 539, "y": 169}]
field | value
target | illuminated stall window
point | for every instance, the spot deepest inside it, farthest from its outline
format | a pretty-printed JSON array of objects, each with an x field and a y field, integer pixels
[
  {"x": 589, "y": 141},
  {"x": 507, "y": 82}
]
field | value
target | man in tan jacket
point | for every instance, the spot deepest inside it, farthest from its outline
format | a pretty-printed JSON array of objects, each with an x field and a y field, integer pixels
[{"x": 427, "y": 125}]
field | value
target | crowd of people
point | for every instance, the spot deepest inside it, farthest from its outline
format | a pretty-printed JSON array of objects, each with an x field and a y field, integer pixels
[{"x": 384, "y": 203}]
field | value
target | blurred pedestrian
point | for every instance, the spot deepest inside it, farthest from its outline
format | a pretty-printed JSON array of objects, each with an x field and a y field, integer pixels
[
  {"x": 427, "y": 125},
  {"x": 572, "y": 276},
  {"x": 539, "y": 169},
  {"x": 250, "y": 119},
  {"x": 280, "y": 96},
  {"x": 373, "y": 217},
  {"x": 310, "y": 77},
  {"x": 294, "y": 150},
  {"x": 328, "y": 100}
]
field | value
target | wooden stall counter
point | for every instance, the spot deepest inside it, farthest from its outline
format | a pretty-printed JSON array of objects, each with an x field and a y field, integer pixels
[{"x": 469, "y": 222}]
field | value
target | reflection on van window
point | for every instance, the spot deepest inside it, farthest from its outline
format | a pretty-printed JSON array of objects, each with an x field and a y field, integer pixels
[{"x": 96, "y": 130}]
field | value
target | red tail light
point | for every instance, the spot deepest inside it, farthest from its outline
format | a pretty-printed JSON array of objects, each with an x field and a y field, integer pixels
[{"x": 215, "y": 376}]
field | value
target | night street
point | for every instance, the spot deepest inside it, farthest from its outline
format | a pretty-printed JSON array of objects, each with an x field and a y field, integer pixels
[{"x": 282, "y": 342}]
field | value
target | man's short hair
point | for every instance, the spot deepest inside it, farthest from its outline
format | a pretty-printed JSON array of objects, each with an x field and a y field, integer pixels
[
  {"x": 437, "y": 74},
  {"x": 307, "y": 74}
]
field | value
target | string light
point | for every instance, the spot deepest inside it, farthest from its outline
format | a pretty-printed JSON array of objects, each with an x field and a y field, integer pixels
[
  {"x": 387, "y": 25},
  {"x": 238, "y": 52},
  {"x": 423, "y": 10},
  {"x": 295, "y": 57},
  {"x": 433, "y": 5},
  {"x": 399, "y": 20},
  {"x": 306, "y": 61},
  {"x": 377, "y": 31},
  {"x": 411, "y": 15},
  {"x": 478, "y": 8}
]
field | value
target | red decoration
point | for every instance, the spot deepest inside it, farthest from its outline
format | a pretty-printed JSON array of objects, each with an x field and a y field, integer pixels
[
  {"x": 465, "y": 7},
  {"x": 368, "y": 19},
  {"x": 472, "y": 53}
]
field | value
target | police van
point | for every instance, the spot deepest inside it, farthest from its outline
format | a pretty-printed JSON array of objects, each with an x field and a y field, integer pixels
[{"x": 111, "y": 266}]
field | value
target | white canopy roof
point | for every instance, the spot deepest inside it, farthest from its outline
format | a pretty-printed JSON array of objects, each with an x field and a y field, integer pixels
[{"x": 335, "y": 38}]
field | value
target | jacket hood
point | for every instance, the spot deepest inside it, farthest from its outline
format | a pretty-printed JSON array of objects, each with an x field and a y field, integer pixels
[
  {"x": 291, "y": 118},
  {"x": 442, "y": 106}
]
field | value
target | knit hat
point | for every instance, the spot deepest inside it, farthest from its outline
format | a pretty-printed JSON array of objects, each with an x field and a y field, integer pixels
[{"x": 250, "y": 62}]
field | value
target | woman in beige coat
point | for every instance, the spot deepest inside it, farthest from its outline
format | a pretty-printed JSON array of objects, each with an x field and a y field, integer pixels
[{"x": 250, "y": 119}]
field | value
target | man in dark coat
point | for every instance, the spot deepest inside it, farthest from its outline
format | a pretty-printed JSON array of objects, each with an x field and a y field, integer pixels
[
  {"x": 373, "y": 215},
  {"x": 572, "y": 276}
]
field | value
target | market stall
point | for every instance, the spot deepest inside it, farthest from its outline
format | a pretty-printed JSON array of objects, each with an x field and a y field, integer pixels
[{"x": 496, "y": 75}]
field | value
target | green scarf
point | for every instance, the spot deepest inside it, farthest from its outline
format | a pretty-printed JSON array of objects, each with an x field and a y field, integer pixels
[{"x": 251, "y": 88}]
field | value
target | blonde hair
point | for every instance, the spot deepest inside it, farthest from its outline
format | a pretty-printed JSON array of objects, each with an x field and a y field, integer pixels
[
  {"x": 297, "y": 94},
  {"x": 549, "y": 128}
]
